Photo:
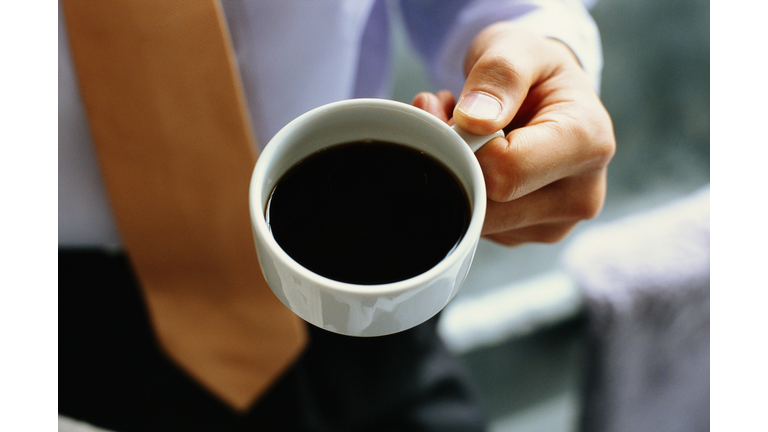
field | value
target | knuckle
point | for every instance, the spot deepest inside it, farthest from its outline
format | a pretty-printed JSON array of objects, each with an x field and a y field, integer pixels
[
  {"x": 586, "y": 196},
  {"x": 605, "y": 147},
  {"x": 601, "y": 138},
  {"x": 587, "y": 208},
  {"x": 499, "y": 70},
  {"x": 591, "y": 130}
]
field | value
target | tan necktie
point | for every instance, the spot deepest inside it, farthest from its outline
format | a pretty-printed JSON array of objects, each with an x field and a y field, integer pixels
[{"x": 169, "y": 120}]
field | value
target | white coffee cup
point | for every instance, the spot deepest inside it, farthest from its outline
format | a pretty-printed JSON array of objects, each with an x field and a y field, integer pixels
[{"x": 367, "y": 310}]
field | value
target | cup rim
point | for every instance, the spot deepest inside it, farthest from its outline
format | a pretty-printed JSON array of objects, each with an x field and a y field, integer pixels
[{"x": 465, "y": 245}]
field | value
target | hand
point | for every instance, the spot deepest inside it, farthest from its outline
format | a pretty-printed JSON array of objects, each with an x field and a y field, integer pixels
[{"x": 549, "y": 172}]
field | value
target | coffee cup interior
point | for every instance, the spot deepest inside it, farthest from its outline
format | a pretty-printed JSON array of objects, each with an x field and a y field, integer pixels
[{"x": 381, "y": 121}]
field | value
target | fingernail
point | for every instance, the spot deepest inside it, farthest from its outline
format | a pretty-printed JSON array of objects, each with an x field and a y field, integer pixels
[{"x": 481, "y": 106}]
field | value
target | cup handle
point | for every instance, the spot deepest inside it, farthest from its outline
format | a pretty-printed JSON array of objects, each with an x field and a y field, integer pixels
[{"x": 475, "y": 141}]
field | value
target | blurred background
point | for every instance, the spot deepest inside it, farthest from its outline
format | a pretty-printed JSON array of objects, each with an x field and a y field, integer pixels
[{"x": 529, "y": 356}]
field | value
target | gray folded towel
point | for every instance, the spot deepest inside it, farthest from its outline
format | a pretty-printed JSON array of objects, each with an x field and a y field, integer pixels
[{"x": 645, "y": 280}]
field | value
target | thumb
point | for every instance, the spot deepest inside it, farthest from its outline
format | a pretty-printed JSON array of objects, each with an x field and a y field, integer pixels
[{"x": 500, "y": 70}]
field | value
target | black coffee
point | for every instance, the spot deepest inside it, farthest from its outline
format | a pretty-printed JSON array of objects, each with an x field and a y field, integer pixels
[{"x": 368, "y": 212}]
